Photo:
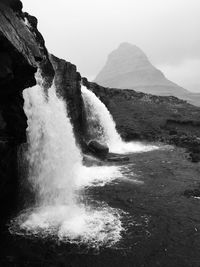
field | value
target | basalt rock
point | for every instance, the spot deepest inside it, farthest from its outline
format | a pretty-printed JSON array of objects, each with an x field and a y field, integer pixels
[
  {"x": 68, "y": 85},
  {"x": 15, "y": 5},
  {"x": 22, "y": 52},
  {"x": 98, "y": 148},
  {"x": 192, "y": 193},
  {"x": 194, "y": 157}
]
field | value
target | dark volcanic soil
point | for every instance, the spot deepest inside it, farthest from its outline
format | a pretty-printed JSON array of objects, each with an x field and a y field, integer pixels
[{"x": 162, "y": 223}]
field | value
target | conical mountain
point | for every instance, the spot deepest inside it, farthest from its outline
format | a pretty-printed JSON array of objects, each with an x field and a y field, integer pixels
[{"x": 128, "y": 67}]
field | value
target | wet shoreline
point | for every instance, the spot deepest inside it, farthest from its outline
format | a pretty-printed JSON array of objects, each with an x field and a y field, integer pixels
[{"x": 162, "y": 226}]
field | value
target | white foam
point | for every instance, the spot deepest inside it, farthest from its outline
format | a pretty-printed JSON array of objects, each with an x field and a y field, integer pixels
[
  {"x": 74, "y": 224},
  {"x": 132, "y": 147},
  {"x": 97, "y": 175}
]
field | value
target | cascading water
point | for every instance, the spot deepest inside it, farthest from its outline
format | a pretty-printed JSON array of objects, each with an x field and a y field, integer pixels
[
  {"x": 52, "y": 154},
  {"x": 56, "y": 175},
  {"x": 102, "y": 126}
]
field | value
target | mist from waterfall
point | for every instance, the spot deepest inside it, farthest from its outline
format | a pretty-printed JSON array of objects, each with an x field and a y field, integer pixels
[
  {"x": 57, "y": 177},
  {"x": 102, "y": 127}
]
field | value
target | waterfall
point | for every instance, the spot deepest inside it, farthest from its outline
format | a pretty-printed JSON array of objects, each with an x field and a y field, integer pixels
[
  {"x": 57, "y": 177},
  {"x": 101, "y": 124},
  {"x": 103, "y": 128},
  {"x": 52, "y": 154}
]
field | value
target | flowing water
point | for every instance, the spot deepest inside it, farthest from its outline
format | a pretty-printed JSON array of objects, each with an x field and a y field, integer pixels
[
  {"x": 58, "y": 178},
  {"x": 103, "y": 128},
  {"x": 160, "y": 227}
]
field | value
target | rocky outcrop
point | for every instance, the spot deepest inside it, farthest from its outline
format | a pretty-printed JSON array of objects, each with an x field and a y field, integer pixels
[
  {"x": 68, "y": 84},
  {"x": 140, "y": 116},
  {"x": 98, "y": 148},
  {"x": 22, "y": 52},
  {"x": 128, "y": 67}
]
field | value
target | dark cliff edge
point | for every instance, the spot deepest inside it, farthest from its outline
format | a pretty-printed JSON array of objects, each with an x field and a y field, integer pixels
[
  {"x": 141, "y": 116},
  {"x": 68, "y": 85},
  {"x": 22, "y": 51}
]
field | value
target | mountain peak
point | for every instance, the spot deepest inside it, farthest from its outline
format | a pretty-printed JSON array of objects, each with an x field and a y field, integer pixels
[
  {"x": 126, "y": 45},
  {"x": 127, "y": 51},
  {"x": 127, "y": 58},
  {"x": 128, "y": 67}
]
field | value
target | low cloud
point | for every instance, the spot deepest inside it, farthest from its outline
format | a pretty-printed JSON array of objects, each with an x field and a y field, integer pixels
[{"x": 185, "y": 74}]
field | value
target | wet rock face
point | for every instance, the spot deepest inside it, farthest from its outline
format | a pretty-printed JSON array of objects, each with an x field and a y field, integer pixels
[
  {"x": 68, "y": 85},
  {"x": 43, "y": 61},
  {"x": 98, "y": 148},
  {"x": 22, "y": 51},
  {"x": 15, "y": 5}
]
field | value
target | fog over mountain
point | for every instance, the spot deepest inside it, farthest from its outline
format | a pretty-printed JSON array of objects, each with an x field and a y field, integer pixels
[{"x": 128, "y": 67}]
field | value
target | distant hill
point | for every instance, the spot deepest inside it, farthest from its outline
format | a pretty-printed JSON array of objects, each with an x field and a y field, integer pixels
[{"x": 128, "y": 67}]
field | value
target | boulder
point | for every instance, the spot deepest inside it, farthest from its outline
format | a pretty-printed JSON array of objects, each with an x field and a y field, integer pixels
[
  {"x": 192, "y": 193},
  {"x": 194, "y": 157},
  {"x": 98, "y": 148}
]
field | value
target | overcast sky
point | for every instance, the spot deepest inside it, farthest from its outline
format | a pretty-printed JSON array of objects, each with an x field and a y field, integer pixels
[{"x": 84, "y": 32}]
